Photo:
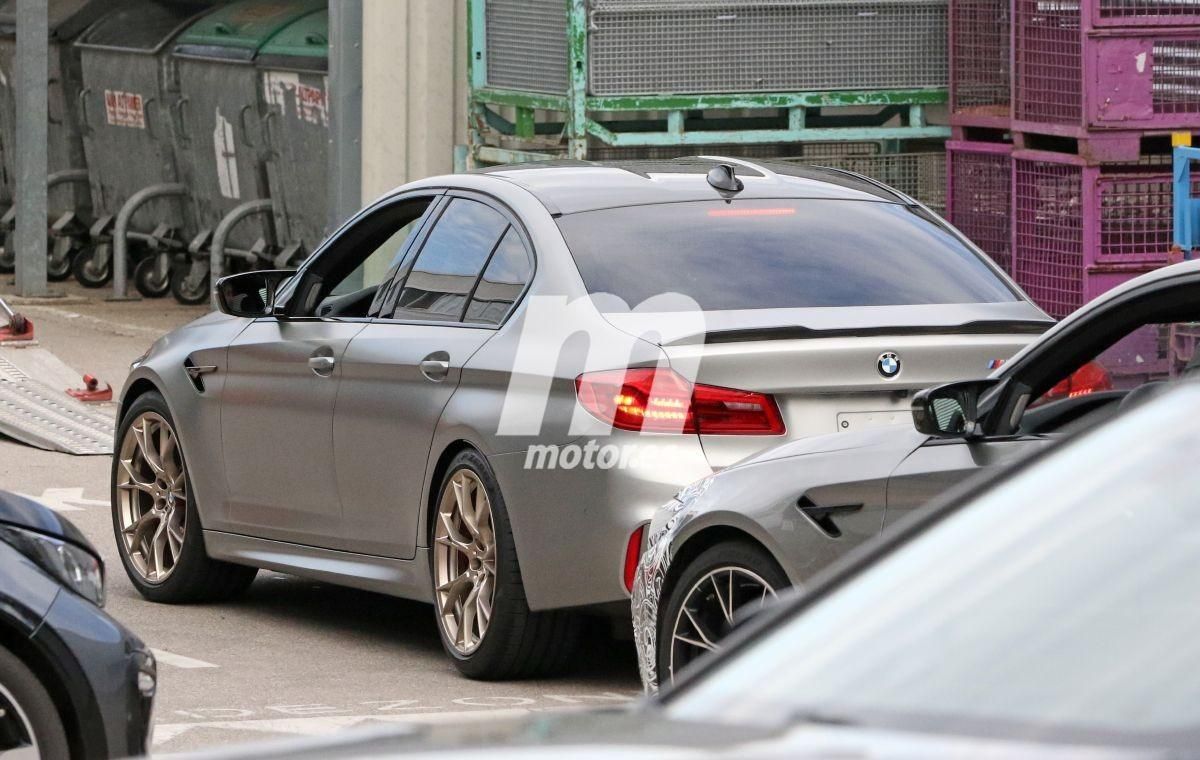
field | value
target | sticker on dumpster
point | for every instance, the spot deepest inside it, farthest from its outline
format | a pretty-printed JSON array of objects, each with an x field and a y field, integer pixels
[
  {"x": 306, "y": 102},
  {"x": 226, "y": 155},
  {"x": 311, "y": 104},
  {"x": 124, "y": 109}
]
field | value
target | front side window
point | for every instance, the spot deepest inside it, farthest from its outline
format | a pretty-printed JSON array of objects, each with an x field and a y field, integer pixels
[
  {"x": 348, "y": 279},
  {"x": 441, "y": 280}
]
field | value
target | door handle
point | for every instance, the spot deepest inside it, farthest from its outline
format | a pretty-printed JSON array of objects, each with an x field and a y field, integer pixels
[
  {"x": 322, "y": 365},
  {"x": 436, "y": 366}
]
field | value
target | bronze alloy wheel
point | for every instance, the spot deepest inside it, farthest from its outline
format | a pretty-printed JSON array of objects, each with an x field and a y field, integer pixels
[
  {"x": 152, "y": 497},
  {"x": 464, "y": 561}
]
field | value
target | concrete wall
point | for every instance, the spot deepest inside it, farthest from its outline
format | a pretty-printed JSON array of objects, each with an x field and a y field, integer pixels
[{"x": 414, "y": 90}]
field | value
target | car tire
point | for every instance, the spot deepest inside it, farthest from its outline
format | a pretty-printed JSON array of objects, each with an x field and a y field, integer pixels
[
  {"x": 192, "y": 575},
  {"x": 743, "y": 565},
  {"x": 34, "y": 707},
  {"x": 517, "y": 642}
]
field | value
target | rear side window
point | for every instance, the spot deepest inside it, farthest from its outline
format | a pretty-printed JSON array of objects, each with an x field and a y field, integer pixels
[
  {"x": 502, "y": 282},
  {"x": 440, "y": 282},
  {"x": 771, "y": 254}
]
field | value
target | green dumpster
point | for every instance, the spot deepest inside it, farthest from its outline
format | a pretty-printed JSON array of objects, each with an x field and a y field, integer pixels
[
  {"x": 221, "y": 118},
  {"x": 294, "y": 69}
]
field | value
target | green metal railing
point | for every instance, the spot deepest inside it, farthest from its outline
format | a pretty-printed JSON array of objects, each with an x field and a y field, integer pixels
[{"x": 509, "y": 126}]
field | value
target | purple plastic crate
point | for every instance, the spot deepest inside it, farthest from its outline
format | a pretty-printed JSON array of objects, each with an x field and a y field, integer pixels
[
  {"x": 1078, "y": 230},
  {"x": 979, "y": 196},
  {"x": 980, "y": 62},
  {"x": 1107, "y": 13},
  {"x": 1072, "y": 74}
]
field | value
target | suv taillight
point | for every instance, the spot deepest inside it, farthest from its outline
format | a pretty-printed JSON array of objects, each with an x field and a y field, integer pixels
[{"x": 662, "y": 401}]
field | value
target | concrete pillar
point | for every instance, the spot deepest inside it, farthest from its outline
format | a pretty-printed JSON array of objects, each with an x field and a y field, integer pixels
[
  {"x": 414, "y": 90},
  {"x": 32, "y": 67}
]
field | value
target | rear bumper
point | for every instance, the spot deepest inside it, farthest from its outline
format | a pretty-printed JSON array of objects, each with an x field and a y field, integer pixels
[{"x": 572, "y": 525}]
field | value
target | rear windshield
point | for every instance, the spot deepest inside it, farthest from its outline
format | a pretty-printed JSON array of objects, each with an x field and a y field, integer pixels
[{"x": 769, "y": 254}]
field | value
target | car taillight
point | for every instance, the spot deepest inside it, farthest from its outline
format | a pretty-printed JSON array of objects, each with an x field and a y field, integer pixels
[
  {"x": 1090, "y": 378},
  {"x": 662, "y": 401},
  {"x": 633, "y": 554}
]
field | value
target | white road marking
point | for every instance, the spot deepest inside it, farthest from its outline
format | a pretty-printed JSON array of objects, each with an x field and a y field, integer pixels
[
  {"x": 328, "y": 724},
  {"x": 66, "y": 500},
  {"x": 179, "y": 661}
]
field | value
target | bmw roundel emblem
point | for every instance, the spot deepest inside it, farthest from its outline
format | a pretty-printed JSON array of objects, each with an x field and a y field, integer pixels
[{"x": 888, "y": 364}]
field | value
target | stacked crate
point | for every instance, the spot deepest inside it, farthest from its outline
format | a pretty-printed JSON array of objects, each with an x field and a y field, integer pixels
[
  {"x": 1061, "y": 111},
  {"x": 810, "y": 79}
]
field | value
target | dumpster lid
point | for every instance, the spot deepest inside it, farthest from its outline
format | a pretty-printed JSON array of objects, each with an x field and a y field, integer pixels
[
  {"x": 67, "y": 19},
  {"x": 143, "y": 26},
  {"x": 236, "y": 32},
  {"x": 303, "y": 44}
]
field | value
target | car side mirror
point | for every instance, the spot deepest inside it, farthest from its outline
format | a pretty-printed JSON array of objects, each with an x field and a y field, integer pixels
[
  {"x": 251, "y": 294},
  {"x": 950, "y": 410}
]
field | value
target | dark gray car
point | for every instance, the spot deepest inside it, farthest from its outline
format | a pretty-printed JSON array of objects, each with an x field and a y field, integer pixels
[
  {"x": 728, "y": 543},
  {"x": 73, "y": 682}
]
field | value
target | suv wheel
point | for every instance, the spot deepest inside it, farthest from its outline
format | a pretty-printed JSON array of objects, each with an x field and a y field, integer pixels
[{"x": 29, "y": 723}]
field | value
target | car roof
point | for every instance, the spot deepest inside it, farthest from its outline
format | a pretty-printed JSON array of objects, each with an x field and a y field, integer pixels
[{"x": 569, "y": 186}]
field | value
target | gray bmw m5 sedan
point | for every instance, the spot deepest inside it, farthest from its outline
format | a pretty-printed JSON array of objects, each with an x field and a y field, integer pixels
[
  {"x": 730, "y": 542},
  {"x": 480, "y": 388}
]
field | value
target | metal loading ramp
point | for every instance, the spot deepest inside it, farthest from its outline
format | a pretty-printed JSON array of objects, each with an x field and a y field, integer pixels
[{"x": 40, "y": 414}]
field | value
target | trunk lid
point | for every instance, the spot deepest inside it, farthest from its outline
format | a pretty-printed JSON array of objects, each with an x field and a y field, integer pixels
[{"x": 824, "y": 368}]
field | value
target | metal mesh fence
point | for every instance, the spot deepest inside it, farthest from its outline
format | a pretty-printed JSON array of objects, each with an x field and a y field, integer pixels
[
  {"x": 919, "y": 175},
  {"x": 1176, "y": 76},
  {"x": 709, "y": 46},
  {"x": 981, "y": 201},
  {"x": 1048, "y": 260},
  {"x": 527, "y": 45},
  {"x": 1049, "y": 61},
  {"x": 1168, "y": 10},
  {"x": 980, "y": 56},
  {"x": 1135, "y": 218}
]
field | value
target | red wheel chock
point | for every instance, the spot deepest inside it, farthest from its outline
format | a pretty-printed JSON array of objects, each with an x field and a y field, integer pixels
[
  {"x": 91, "y": 390},
  {"x": 18, "y": 328}
]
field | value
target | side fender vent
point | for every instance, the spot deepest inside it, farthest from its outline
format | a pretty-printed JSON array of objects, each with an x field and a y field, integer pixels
[{"x": 822, "y": 517}]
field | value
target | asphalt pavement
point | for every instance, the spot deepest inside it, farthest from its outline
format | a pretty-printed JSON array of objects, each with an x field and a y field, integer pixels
[{"x": 292, "y": 657}]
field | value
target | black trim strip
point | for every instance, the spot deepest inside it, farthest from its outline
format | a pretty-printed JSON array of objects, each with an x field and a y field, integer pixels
[{"x": 789, "y": 332}]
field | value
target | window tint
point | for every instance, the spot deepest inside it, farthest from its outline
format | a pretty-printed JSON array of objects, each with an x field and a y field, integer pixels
[
  {"x": 445, "y": 271},
  {"x": 764, "y": 254},
  {"x": 502, "y": 281}
]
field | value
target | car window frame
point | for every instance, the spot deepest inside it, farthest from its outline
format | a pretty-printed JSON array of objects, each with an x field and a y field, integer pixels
[
  {"x": 1023, "y": 377},
  {"x": 514, "y": 223},
  {"x": 332, "y": 244}
]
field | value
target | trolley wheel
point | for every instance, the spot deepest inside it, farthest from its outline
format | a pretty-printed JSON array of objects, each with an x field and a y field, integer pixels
[
  {"x": 8, "y": 255},
  {"x": 92, "y": 267},
  {"x": 148, "y": 282},
  {"x": 58, "y": 263},
  {"x": 187, "y": 292}
]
